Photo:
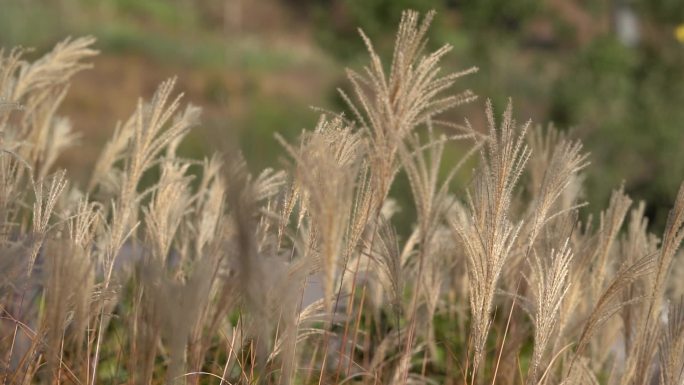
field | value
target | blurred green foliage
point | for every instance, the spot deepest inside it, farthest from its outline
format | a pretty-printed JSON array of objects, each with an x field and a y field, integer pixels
[
  {"x": 161, "y": 11},
  {"x": 664, "y": 11},
  {"x": 496, "y": 15},
  {"x": 627, "y": 105},
  {"x": 337, "y": 22}
]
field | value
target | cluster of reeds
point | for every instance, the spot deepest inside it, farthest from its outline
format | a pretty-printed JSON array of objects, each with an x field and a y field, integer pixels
[{"x": 201, "y": 278}]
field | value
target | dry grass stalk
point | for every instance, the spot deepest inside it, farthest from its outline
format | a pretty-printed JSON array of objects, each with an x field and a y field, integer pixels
[
  {"x": 549, "y": 280},
  {"x": 488, "y": 236}
]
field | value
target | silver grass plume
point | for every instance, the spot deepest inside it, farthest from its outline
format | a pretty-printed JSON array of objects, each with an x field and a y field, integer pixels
[
  {"x": 46, "y": 193},
  {"x": 327, "y": 168},
  {"x": 671, "y": 353},
  {"x": 148, "y": 138},
  {"x": 549, "y": 283},
  {"x": 489, "y": 236},
  {"x": 170, "y": 204},
  {"x": 555, "y": 162},
  {"x": 388, "y": 107},
  {"x": 639, "y": 362}
]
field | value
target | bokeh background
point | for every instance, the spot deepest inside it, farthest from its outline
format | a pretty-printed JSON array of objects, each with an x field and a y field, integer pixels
[{"x": 609, "y": 71}]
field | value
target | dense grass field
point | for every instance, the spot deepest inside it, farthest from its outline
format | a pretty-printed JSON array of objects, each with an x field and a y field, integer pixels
[{"x": 158, "y": 267}]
